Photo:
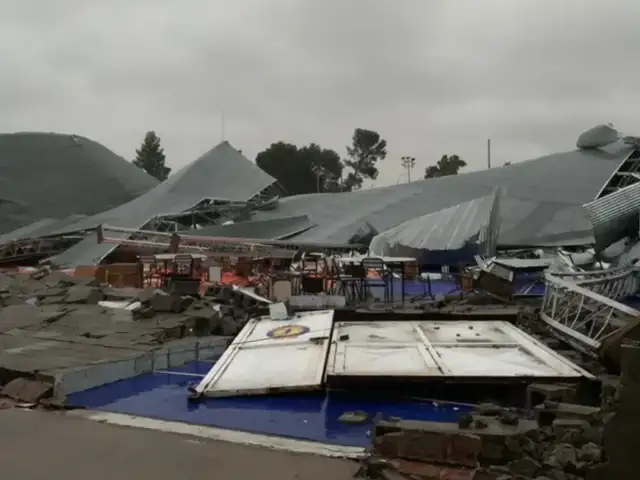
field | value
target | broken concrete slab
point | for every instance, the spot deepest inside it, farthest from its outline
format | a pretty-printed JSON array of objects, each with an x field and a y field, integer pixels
[
  {"x": 538, "y": 393},
  {"x": 453, "y": 448},
  {"x": 72, "y": 366},
  {"x": 125, "y": 293},
  {"x": 561, "y": 426},
  {"x": 548, "y": 412},
  {"x": 25, "y": 316},
  {"x": 51, "y": 292},
  {"x": 84, "y": 294},
  {"x": 27, "y": 390},
  {"x": 58, "y": 278},
  {"x": 226, "y": 327},
  {"x": 492, "y": 446},
  {"x": 167, "y": 303},
  {"x": 147, "y": 294}
]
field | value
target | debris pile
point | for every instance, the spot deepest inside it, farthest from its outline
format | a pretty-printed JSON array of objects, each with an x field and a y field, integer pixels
[
  {"x": 621, "y": 433},
  {"x": 528, "y": 320},
  {"x": 44, "y": 299},
  {"x": 52, "y": 325},
  {"x": 552, "y": 439},
  {"x": 491, "y": 443}
]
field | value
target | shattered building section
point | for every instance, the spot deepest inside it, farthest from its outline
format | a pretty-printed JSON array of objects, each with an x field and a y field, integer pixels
[
  {"x": 450, "y": 236},
  {"x": 615, "y": 216},
  {"x": 541, "y": 203},
  {"x": 276, "y": 229},
  {"x": 550, "y": 355},
  {"x": 220, "y": 184},
  {"x": 78, "y": 334},
  {"x": 587, "y": 308},
  {"x": 52, "y": 176}
]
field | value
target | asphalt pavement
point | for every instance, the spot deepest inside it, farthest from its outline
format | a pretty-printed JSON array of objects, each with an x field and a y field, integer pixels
[{"x": 38, "y": 445}]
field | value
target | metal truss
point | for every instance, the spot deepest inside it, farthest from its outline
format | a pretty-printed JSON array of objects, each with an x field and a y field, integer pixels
[
  {"x": 626, "y": 174},
  {"x": 582, "y": 309},
  {"x": 212, "y": 211},
  {"x": 33, "y": 249},
  {"x": 613, "y": 283},
  {"x": 211, "y": 246}
]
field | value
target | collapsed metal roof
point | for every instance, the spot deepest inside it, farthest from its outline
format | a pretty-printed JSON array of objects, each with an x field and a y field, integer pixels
[
  {"x": 541, "y": 201},
  {"x": 222, "y": 173},
  {"x": 449, "y": 236},
  {"x": 274, "y": 229},
  {"x": 49, "y": 175}
]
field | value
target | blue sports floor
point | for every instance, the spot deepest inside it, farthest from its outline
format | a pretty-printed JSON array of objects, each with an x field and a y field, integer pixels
[
  {"x": 308, "y": 417},
  {"x": 311, "y": 417}
]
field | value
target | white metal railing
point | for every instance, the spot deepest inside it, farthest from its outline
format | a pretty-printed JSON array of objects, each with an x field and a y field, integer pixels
[
  {"x": 583, "y": 308},
  {"x": 614, "y": 283}
]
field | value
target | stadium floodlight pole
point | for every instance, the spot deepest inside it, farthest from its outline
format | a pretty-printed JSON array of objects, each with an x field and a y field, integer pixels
[
  {"x": 318, "y": 171},
  {"x": 408, "y": 163}
]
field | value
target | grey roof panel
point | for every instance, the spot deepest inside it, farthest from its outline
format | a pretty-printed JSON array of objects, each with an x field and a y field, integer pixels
[
  {"x": 39, "y": 228},
  {"x": 28, "y": 231},
  {"x": 451, "y": 235},
  {"x": 614, "y": 216},
  {"x": 541, "y": 199},
  {"x": 447, "y": 229},
  {"x": 269, "y": 229},
  {"x": 48, "y": 175},
  {"x": 222, "y": 173}
]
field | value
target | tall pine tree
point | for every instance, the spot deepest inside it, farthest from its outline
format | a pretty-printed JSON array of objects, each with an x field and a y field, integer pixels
[{"x": 150, "y": 157}]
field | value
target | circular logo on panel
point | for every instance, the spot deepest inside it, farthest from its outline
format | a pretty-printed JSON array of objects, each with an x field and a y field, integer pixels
[{"x": 288, "y": 331}]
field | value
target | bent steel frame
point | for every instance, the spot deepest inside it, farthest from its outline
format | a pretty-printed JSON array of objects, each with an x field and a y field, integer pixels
[
  {"x": 582, "y": 309},
  {"x": 34, "y": 249},
  {"x": 175, "y": 243}
]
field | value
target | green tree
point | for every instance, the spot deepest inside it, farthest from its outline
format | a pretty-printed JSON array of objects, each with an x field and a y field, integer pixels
[
  {"x": 506, "y": 164},
  {"x": 366, "y": 149},
  {"x": 150, "y": 157},
  {"x": 447, "y": 165},
  {"x": 302, "y": 170}
]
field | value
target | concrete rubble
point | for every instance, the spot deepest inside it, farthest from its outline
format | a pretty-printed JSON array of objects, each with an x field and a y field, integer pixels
[
  {"x": 551, "y": 439},
  {"x": 53, "y": 327},
  {"x": 57, "y": 331}
]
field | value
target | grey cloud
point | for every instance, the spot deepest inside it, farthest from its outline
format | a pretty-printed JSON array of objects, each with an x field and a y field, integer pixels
[{"x": 432, "y": 77}]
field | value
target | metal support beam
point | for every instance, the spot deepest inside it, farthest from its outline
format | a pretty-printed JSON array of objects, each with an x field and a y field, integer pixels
[
  {"x": 34, "y": 249},
  {"x": 224, "y": 246},
  {"x": 585, "y": 312}
]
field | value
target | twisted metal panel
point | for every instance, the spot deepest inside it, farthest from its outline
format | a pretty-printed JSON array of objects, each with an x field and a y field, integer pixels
[
  {"x": 614, "y": 216},
  {"x": 585, "y": 312}
]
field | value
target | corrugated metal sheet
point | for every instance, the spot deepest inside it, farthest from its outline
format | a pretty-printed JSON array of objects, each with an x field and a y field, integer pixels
[
  {"x": 49, "y": 175},
  {"x": 541, "y": 204},
  {"x": 40, "y": 228},
  {"x": 222, "y": 173},
  {"x": 274, "y": 229},
  {"x": 614, "y": 216},
  {"x": 469, "y": 228}
]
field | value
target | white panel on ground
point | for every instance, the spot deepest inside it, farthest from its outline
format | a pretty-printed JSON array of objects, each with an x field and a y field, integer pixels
[
  {"x": 271, "y": 356},
  {"x": 436, "y": 349},
  {"x": 380, "y": 348}
]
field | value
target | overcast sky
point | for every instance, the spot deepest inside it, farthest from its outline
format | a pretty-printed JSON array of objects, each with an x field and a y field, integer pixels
[{"x": 430, "y": 76}]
